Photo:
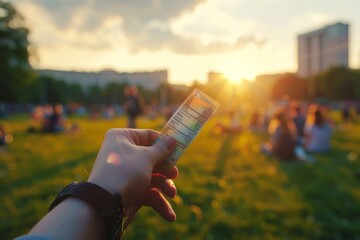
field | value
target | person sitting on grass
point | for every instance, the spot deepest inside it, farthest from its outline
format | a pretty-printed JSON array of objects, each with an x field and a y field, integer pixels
[
  {"x": 299, "y": 120},
  {"x": 127, "y": 174},
  {"x": 5, "y": 136},
  {"x": 254, "y": 123},
  {"x": 2, "y": 137},
  {"x": 282, "y": 137},
  {"x": 317, "y": 131},
  {"x": 234, "y": 126},
  {"x": 55, "y": 121}
]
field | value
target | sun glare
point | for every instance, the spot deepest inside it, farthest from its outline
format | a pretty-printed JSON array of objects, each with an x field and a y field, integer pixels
[
  {"x": 236, "y": 69},
  {"x": 237, "y": 76}
]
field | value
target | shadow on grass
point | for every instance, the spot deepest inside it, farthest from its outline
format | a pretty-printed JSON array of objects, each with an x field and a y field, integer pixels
[
  {"x": 223, "y": 156},
  {"x": 220, "y": 229},
  {"x": 199, "y": 215}
]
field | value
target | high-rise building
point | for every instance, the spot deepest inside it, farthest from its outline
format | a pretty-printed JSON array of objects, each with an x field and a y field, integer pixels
[{"x": 323, "y": 48}]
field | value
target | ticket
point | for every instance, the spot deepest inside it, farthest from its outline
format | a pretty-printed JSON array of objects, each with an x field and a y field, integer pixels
[{"x": 187, "y": 122}]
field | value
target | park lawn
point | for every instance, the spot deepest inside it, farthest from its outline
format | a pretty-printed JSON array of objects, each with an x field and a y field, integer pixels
[{"x": 227, "y": 189}]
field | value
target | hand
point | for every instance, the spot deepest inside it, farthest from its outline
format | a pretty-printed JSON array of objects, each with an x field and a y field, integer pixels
[{"x": 129, "y": 163}]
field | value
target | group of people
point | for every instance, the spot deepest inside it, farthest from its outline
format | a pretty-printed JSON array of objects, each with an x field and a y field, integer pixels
[
  {"x": 47, "y": 119},
  {"x": 51, "y": 118},
  {"x": 292, "y": 132}
]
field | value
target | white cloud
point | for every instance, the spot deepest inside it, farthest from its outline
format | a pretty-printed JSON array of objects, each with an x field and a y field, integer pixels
[
  {"x": 188, "y": 37},
  {"x": 212, "y": 25},
  {"x": 145, "y": 25}
]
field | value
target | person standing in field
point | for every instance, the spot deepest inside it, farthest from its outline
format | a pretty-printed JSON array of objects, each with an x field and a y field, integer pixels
[{"x": 133, "y": 105}]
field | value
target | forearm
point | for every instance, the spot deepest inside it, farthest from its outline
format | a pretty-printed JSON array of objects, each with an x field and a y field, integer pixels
[
  {"x": 71, "y": 219},
  {"x": 126, "y": 161}
]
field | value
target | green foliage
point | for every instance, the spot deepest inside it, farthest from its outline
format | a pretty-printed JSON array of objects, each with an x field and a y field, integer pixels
[
  {"x": 76, "y": 94},
  {"x": 338, "y": 83},
  {"x": 46, "y": 89},
  {"x": 226, "y": 188},
  {"x": 173, "y": 96},
  {"x": 15, "y": 69},
  {"x": 290, "y": 85},
  {"x": 114, "y": 93}
]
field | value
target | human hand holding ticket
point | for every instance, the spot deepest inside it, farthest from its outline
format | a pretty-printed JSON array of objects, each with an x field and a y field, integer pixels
[
  {"x": 187, "y": 122},
  {"x": 127, "y": 165}
]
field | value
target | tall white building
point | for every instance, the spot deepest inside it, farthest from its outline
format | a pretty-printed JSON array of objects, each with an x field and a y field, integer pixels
[{"x": 323, "y": 48}]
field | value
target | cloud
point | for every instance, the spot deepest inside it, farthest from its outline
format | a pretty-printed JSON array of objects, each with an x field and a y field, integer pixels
[{"x": 146, "y": 24}]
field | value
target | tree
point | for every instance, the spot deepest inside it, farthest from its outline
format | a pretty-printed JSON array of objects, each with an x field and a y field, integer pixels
[
  {"x": 114, "y": 93},
  {"x": 94, "y": 95},
  {"x": 76, "y": 93},
  {"x": 290, "y": 85},
  {"x": 338, "y": 83},
  {"x": 15, "y": 70}
]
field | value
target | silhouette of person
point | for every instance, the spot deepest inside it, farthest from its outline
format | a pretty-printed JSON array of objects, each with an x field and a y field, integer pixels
[
  {"x": 317, "y": 131},
  {"x": 282, "y": 137},
  {"x": 234, "y": 126},
  {"x": 299, "y": 120},
  {"x": 133, "y": 105},
  {"x": 2, "y": 137}
]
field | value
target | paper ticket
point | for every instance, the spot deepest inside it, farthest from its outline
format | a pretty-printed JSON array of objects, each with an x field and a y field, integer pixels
[{"x": 187, "y": 122}]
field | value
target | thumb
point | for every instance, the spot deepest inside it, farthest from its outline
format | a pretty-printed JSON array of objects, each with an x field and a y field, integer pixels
[{"x": 162, "y": 148}]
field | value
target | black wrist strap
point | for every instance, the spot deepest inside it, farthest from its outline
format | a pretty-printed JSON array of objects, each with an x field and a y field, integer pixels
[
  {"x": 107, "y": 205},
  {"x": 94, "y": 195}
]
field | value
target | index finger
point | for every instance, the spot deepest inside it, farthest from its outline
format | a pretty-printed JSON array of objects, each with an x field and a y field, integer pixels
[
  {"x": 143, "y": 137},
  {"x": 171, "y": 173}
]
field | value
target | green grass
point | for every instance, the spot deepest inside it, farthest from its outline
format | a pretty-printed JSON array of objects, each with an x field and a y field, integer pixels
[{"x": 227, "y": 189}]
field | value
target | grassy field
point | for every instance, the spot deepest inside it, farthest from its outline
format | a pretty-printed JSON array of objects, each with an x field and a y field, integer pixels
[{"x": 226, "y": 189}]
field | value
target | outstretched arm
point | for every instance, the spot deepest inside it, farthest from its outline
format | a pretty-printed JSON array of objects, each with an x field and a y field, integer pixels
[{"x": 128, "y": 163}]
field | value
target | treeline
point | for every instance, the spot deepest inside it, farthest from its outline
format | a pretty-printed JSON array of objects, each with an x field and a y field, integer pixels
[
  {"x": 46, "y": 89},
  {"x": 337, "y": 83}
]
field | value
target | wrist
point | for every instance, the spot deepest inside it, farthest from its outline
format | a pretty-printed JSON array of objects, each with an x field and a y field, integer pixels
[
  {"x": 73, "y": 214},
  {"x": 107, "y": 206},
  {"x": 110, "y": 186},
  {"x": 85, "y": 211}
]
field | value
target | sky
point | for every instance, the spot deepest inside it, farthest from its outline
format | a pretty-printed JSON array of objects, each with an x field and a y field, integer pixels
[{"x": 189, "y": 38}]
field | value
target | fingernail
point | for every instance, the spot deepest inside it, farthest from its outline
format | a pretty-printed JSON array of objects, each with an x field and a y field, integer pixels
[{"x": 172, "y": 213}]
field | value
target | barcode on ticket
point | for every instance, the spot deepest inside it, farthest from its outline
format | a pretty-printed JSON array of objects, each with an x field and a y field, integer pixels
[{"x": 187, "y": 122}]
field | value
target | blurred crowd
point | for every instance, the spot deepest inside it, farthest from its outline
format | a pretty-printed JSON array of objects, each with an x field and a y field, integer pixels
[
  {"x": 295, "y": 129},
  {"x": 51, "y": 118},
  {"x": 292, "y": 133},
  {"x": 48, "y": 118}
]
